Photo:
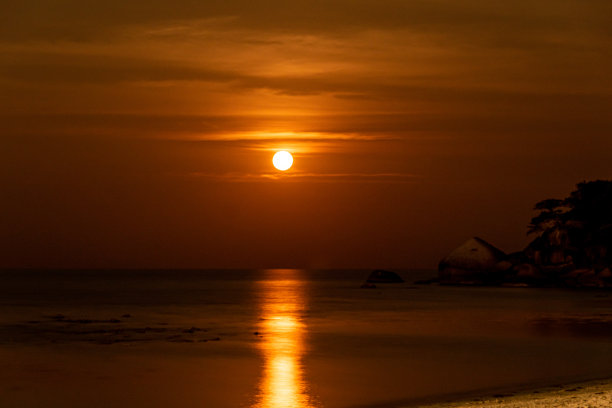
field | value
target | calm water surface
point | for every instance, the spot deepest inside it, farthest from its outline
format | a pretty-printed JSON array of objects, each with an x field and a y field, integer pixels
[{"x": 283, "y": 338}]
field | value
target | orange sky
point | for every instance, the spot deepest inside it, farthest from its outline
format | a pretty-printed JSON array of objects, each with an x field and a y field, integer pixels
[{"x": 141, "y": 134}]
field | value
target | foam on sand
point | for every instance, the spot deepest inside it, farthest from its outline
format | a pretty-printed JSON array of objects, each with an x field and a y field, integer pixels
[{"x": 594, "y": 394}]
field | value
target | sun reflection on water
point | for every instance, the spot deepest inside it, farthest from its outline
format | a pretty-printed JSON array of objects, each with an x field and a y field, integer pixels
[{"x": 282, "y": 346}]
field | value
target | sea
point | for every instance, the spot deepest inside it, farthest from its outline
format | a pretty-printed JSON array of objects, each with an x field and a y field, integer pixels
[{"x": 285, "y": 338}]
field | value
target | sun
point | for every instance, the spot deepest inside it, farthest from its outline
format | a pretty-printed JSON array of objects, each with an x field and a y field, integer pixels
[{"x": 282, "y": 160}]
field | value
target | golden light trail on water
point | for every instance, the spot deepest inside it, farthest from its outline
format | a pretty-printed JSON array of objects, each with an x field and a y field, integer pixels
[{"x": 282, "y": 346}]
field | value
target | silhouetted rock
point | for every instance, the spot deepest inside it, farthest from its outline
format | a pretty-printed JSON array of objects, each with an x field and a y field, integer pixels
[
  {"x": 583, "y": 278},
  {"x": 528, "y": 272},
  {"x": 503, "y": 266},
  {"x": 572, "y": 247},
  {"x": 382, "y": 276},
  {"x": 475, "y": 262}
]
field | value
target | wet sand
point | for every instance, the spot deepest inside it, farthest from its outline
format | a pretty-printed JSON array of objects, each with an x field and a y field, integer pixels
[{"x": 592, "y": 394}]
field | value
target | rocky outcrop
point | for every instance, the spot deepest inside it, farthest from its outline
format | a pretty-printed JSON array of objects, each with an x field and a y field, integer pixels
[
  {"x": 572, "y": 247},
  {"x": 586, "y": 278},
  {"x": 475, "y": 262}
]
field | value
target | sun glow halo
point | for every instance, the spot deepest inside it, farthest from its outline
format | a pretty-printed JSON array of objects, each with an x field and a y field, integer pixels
[{"x": 282, "y": 160}]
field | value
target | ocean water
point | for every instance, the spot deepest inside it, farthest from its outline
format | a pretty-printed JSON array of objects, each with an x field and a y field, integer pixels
[{"x": 284, "y": 338}]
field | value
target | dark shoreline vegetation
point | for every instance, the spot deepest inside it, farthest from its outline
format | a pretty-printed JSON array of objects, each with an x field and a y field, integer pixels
[{"x": 572, "y": 247}]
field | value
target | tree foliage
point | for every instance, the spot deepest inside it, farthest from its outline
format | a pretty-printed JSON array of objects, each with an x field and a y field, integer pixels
[
  {"x": 588, "y": 207},
  {"x": 585, "y": 217}
]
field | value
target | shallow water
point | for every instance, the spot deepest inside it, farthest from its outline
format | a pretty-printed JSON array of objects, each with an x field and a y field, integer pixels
[{"x": 283, "y": 338}]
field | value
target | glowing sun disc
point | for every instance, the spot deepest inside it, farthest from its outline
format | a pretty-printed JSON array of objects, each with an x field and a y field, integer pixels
[{"x": 282, "y": 160}]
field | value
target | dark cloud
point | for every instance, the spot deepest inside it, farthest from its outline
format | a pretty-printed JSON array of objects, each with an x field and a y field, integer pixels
[
  {"x": 76, "y": 20},
  {"x": 477, "y": 111},
  {"x": 101, "y": 69},
  {"x": 309, "y": 177}
]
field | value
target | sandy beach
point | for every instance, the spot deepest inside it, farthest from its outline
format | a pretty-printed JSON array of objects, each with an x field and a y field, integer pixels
[{"x": 592, "y": 394}]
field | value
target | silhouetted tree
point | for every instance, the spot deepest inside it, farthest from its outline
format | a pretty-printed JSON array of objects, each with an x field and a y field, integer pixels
[
  {"x": 579, "y": 225},
  {"x": 591, "y": 204},
  {"x": 550, "y": 216}
]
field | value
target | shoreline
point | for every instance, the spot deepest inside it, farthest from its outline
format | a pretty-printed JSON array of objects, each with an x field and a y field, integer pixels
[{"x": 567, "y": 394}]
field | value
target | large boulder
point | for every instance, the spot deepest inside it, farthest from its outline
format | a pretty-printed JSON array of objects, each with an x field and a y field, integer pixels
[
  {"x": 475, "y": 262},
  {"x": 605, "y": 274},
  {"x": 527, "y": 274},
  {"x": 583, "y": 278}
]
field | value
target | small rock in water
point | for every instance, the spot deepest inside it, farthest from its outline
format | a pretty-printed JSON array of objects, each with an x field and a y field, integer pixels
[
  {"x": 382, "y": 276},
  {"x": 127, "y": 315}
]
